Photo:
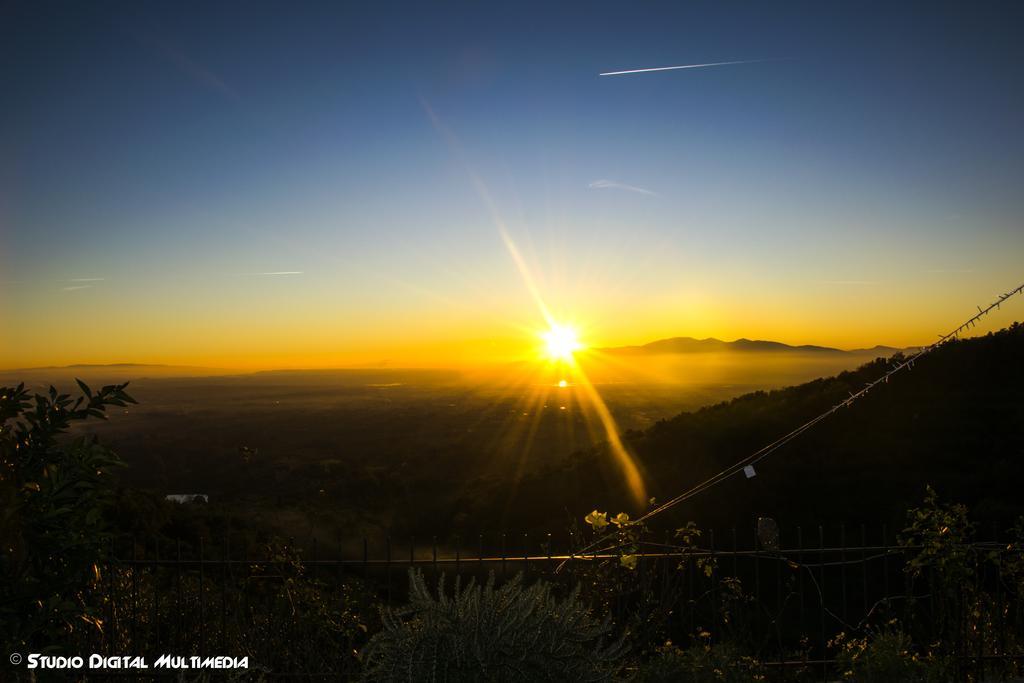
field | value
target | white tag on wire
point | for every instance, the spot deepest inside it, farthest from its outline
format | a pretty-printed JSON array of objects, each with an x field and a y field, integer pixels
[{"x": 749, "y": 471}]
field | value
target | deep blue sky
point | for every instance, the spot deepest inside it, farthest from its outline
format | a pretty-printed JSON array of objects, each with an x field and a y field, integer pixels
[{"x": 862, "y": 187}]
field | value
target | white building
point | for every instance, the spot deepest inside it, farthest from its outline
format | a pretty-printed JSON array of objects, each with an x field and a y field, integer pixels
[{"x": 188, "y": 497}]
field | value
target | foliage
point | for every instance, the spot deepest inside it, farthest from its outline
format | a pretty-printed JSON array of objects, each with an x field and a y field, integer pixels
[
  {"x": 328, "y": 619},
  {"x": 887, "y": 655},
  {"x": 644, "y": 592},
  {"x": 941, "y": 535},
  {"x": 737, "y": 610},
  {"x": 1010, "y": 559},
  {"x": 52, "y": 496},
  {"x": 275, "y": 610},
  {"x": 511, "y": 633},
  {"x": 702, "y": 662},
  {"x": 624, "y": 538}
]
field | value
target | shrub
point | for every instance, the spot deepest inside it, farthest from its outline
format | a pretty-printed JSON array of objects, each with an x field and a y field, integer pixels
[
  {"x": 884, "y": 656},
  {"x": 703, "y": 663},
  {"x": 53, "y": 493},
  {"x": 511, "y": 633}
]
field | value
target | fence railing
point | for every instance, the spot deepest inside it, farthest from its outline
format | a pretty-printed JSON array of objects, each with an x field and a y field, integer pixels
[{"x": 305, "y": 611}]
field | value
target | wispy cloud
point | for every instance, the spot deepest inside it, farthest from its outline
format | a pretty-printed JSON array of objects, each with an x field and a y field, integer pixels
[
  {"x": 683, "y": 66},
  {"x": 76, "y": 287},
  {"x": 283, "y": 272},
  {"x": 199, "y": 73},
  {"x": 849, "y": 282},
  {"x": 950, "y": 270},
  {"x": 614, "y": 185}
]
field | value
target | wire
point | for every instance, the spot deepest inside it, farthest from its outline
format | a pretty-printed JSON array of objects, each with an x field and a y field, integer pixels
[{"x": 764, "y": 452}]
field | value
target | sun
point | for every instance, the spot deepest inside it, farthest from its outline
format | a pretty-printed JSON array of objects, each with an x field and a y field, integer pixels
[{"x": 561, "y": 342}]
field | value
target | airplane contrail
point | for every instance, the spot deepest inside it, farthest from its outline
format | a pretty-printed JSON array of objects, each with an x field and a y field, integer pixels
[
  {"x": 684, "y": 66},
  {"x": 601, "y": 184}
]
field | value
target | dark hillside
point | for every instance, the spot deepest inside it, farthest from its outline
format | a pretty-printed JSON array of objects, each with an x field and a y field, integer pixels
[{"x": 956, "y": 421}]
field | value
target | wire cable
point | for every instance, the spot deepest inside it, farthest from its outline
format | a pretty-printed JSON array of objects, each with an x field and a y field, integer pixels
[{"x": 761, "y": 454}]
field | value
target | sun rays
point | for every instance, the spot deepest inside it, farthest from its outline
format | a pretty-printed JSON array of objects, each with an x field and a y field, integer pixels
[
  {"x": 561, "y": 342},
  {"x": 561, "y": 345}
]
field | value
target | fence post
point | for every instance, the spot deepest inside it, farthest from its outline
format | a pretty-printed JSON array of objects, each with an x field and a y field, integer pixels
[
  {"x": 181, "y": 613},
  {"x": 156, "y": 596},
  {"x": 908, "y": 586},
  {"x": 934, "y": 618},
  {"x": 135, "y": 597},
  {"x": 982, "y": 608},
  {"x": 1000, "y": 608},
  {"x": 691, "y": 603},
  {"x": 641, "y": 566},
  {"x": 666, "y": 573},
  {"x": 735, "y": 556},
  {"x": 246, "y": 611},
  {"x": 864, "y": 567},
  {"x": 110, "y": 599},
  {"x": 757, "y": 568},
  {"x": 885, "y": 562},
  {"x": 800, "y": 582},
  {"x": 780, "y": 606},
  {"x": 821, "y": 602},
  {"x": 202, "y": 603},
  {"x": 842, "y": 571},
  {"x": 387, "y": 566},
  {"x": 714, "y": 584},
  {"x": 224, "y": 576}
]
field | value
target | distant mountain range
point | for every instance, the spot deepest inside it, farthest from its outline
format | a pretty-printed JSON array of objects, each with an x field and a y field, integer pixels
[
  {"x": 672, "y": 346},
  {"x": 679, "y": 345},
  {"x": 112, "y": 372},
  {"x": 104, "y": 365}
]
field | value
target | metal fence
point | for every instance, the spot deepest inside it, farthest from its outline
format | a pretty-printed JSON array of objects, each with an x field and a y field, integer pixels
[{"x": 303, "y": 611}]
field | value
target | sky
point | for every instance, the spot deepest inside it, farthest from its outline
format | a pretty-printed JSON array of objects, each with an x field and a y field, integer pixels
[{"x": 261, "y": 185}]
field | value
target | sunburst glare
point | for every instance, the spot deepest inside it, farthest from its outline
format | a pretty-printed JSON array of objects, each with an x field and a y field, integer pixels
[{"x": 561, "y": 342}]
